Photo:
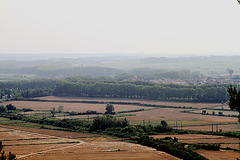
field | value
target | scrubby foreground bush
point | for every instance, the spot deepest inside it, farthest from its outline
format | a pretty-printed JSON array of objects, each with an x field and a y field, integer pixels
[{"x": 10, "y": 156}]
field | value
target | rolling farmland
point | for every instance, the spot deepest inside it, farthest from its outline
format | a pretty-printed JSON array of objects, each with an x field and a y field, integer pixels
[
  {"x": 39, "y": 144},
  {"x": 52, "y": 144}
]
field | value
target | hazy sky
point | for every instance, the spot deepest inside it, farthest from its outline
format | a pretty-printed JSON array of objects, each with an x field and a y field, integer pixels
[{"x": 161, "y": 27}]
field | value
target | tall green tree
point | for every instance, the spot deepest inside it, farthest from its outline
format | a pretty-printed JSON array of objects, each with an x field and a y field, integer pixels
[
  {"x": 110, "y": 109},
  {"x": 234, "y": 101},
  {"x": 10, "y": 107},
  {"x": 3, "y": 109}
]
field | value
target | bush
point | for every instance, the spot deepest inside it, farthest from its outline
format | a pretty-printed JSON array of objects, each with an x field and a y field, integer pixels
[
  {"x": 10, "y": 107},
  {"x": 110, "y": 109},
  {"x": 134, "y": 138},
  {"x": 27, "y": 109},
  {"x": 104, "y": 122},
  {"x": 210, "y": 146},
  {"x": 10, "y": 156},
  {"x": 3, "y": 109}
]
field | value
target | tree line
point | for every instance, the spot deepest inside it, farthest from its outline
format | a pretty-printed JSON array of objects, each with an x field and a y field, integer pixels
[
  {"x": 141, "y": 90},
  {"x": 110, "y": 88}
]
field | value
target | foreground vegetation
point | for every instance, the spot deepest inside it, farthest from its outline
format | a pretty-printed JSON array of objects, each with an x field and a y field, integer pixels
[
  {"x": 109, "y": 125},
  {"x": 10, "y": 156}
]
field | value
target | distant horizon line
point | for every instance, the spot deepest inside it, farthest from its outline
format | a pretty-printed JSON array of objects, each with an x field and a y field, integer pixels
[
  {"x": 59, "y": 56},
  {"x": 130, "y": 53}
]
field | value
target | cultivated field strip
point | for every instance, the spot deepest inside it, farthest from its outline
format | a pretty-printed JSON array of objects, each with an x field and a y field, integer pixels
[
  {"x": 50, "y": 150},
  {"x": 94, "y": 147},
  {"x": 77, "y": 107},
  {"x": 14, "y": 137}
]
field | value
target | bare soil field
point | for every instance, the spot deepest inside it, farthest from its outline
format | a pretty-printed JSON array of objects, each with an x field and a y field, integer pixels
[
  {"x": 228, "y": 127},
  {"x": 88, "y": 147},
  {"x": 77, "y": 107},
  {"x": 219, "y": 155},
  {"x": 177, "y": 104}
]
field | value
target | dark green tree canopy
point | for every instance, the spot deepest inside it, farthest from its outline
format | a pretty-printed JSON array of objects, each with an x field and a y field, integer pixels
[
  {"x": 3, "y": 109},
  {"x": 110, "y": 109},
  {"x": 234, "y": 101},
  {"x": 11, "y": 107}
]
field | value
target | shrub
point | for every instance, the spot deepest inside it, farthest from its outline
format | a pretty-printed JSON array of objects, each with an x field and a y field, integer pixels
[{"x": 3, "y": 109}]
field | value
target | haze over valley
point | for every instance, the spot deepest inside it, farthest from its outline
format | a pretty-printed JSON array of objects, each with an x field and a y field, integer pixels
[{"x": 123, "y": 79}]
